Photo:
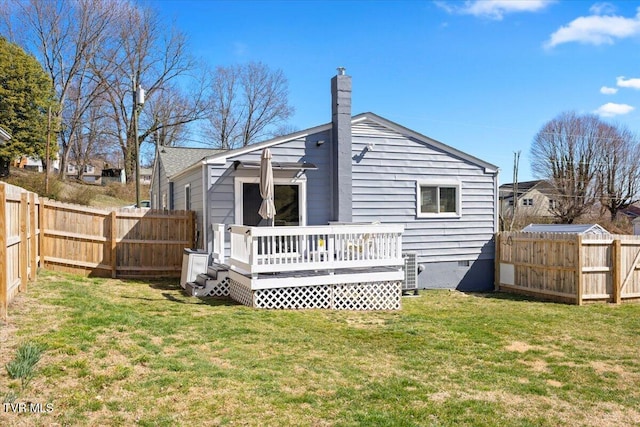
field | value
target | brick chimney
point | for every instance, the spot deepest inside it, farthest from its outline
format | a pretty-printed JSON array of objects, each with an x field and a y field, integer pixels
[{"x": 341, "y": 156}]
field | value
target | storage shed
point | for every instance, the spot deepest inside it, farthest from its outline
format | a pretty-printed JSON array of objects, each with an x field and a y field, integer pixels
[{"x": 565, "y": 228}]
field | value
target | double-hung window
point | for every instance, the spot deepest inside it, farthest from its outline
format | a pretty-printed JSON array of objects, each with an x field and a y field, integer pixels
[{"x": 438, "y": 199}]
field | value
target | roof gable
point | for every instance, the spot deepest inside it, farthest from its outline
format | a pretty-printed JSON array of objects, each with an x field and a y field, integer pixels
[{"x": 222, "y": 157}]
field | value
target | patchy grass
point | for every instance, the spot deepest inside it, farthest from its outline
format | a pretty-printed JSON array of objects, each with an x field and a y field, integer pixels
[{"x": 132, "y": 352}]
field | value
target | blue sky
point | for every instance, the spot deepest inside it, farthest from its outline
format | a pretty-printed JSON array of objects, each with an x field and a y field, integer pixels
[{"x": 481, "y": 76}]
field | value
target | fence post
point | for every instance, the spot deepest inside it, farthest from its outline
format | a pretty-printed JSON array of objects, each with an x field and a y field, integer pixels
[
  {"x": 3, "y": 253},
  {"x": 42, "y": 232},
  {"x": 24, "y": 249},
  {"x": 578, "y": 267},
  {"x": 496, "y": 267},
  {"x": 114, "y": 231},
  {"x": 616, "y": 285},
  {"x": 32, "y": 238}
]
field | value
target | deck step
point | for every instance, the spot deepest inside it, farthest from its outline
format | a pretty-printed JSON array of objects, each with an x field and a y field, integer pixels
[{"x": 214, "y": 269}]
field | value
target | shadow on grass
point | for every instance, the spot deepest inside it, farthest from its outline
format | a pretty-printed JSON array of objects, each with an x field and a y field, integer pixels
[{"x": 506, "y": 296}]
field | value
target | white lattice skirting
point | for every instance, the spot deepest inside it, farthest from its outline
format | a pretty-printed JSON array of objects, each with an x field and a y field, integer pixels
[
  {"x": 219, "y": 290},
  {"x": 349, "y": 296}
]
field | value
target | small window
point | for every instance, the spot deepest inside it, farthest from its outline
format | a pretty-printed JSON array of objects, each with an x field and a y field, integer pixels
[
  {"x": 164, "y": 201},
  {"x": 527, "y": 202},
  {"x": 187, "y": 197},
  {"x": 438, "y": 199},
  {"x": 552, "y": 204}
]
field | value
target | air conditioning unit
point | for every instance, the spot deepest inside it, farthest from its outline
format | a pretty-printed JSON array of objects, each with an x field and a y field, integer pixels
[{"x": 410, "y": 272}]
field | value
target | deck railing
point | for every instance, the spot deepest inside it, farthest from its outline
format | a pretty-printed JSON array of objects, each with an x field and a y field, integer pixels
[
  {"x": 218, "y": 243},
  {"x": 257, "y": 250}
]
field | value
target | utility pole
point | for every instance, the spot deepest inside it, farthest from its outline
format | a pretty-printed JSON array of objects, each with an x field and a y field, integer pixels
[{"x": 138, "y": 102}]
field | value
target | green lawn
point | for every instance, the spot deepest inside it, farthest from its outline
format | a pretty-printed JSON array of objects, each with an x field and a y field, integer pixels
[{"x": 132, "y": 352}]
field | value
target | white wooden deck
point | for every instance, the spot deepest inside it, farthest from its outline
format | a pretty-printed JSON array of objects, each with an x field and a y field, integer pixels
[
  {"x": 273, "y": 257},
  {"x": 294, "y": 267}
]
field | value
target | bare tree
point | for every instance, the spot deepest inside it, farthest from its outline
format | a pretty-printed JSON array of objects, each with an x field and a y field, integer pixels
[
  {"x": 146, "y": 53},
  {"x": 65, "y": 36},
  {"x": 619, "y": 170},
  {"x": 566, "y": 152},
  {"x": 248, "y": 103}
]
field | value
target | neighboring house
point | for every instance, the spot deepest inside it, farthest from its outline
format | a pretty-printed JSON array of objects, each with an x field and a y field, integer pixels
[
  {"x": 168, "y": 162},
  {"x": 359, "y": 169},
  {"x": 534, "y": 199},
  {"x": 145, "y": 176},
  {"x": 92, "y": 173}
]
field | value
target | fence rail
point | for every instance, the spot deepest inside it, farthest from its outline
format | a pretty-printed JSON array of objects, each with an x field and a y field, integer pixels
[
  {"x": 569, "y": 267},
  {"x": 86, "y": 241}
]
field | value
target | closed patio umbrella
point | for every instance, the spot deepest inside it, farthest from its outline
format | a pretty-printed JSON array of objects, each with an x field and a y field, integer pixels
[{"x": 267, "y": 208}]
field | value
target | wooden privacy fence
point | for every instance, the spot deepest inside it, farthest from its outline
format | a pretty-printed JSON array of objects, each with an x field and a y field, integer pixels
[
  {"x": 569, "y": 267},
  {"x": 115, "y": 243},
  {"x": 19, "y": 241},
  {"x": 87, "y": 241}
]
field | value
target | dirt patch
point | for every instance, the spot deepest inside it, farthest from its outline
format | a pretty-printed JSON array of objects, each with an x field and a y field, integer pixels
[{"x": 537, "y": 365}]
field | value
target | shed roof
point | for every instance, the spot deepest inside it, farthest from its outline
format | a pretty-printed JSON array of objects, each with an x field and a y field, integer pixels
[{"x": 565, "y": 228}]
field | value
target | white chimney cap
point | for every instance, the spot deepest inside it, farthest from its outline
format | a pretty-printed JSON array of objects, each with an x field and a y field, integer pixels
[{"x": 341, "y": 71}]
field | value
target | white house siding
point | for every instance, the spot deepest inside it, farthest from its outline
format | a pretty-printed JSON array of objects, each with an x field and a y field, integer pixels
[{"x": 384, "y": 189}]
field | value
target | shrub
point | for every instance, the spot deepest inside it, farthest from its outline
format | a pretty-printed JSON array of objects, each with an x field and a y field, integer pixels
[
  {"x": 34, "y": 182},
  {"x": 22, "y": 367},
  {"x": 81, "y": 196}
]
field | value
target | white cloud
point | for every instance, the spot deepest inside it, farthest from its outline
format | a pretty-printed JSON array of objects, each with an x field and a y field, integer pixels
[
  {"x": 608, "y": 90},
  {"x": 633, "y": 83},
  {"x": 610, "y": 109},
  {"x": 495, "y": 9},
  {"x": 602, "y": 9},
  {"x": 596, "y": 29}
]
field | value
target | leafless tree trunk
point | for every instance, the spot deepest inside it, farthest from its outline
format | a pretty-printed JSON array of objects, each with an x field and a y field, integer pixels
[
  {"x": 248, "y": 103},
  {"x": 619, "y": 171},
  {"x": 566, "y": 152}
]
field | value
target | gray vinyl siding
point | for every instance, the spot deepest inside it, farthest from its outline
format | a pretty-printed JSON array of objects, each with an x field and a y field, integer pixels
[
  {"x": 221, "y": 179},
  {"x": 384, "y": 189},
  {"x": 193, "y": 178}
]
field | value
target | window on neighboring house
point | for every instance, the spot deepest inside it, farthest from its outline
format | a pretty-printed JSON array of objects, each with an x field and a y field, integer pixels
[
  {"x": 438, "y": 199},
  {"x": 88, "y": 169},
  {"x": 71, "y": 168},
  {"x": 187, "y": 197},
  {"x": 510, "y": 202},
  {"x": 527, "y": 202},
  {"x": 552, "y": 204},
  {"x": 164, "y": 201}
]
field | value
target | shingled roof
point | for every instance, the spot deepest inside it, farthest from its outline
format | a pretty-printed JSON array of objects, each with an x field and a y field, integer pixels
[{"x": 176, "y": 159}]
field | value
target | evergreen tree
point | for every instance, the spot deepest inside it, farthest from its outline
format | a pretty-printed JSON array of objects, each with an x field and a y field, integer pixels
[{"x": 26, "y": 94}]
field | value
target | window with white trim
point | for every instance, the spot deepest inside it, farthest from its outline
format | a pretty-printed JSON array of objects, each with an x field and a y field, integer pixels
[
  {"x": 438, "y": 199},
  {"x": 187, "y": 197}
]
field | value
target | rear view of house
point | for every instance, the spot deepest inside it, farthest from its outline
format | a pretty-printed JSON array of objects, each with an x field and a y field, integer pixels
[{"x": 361, "y": 169}]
